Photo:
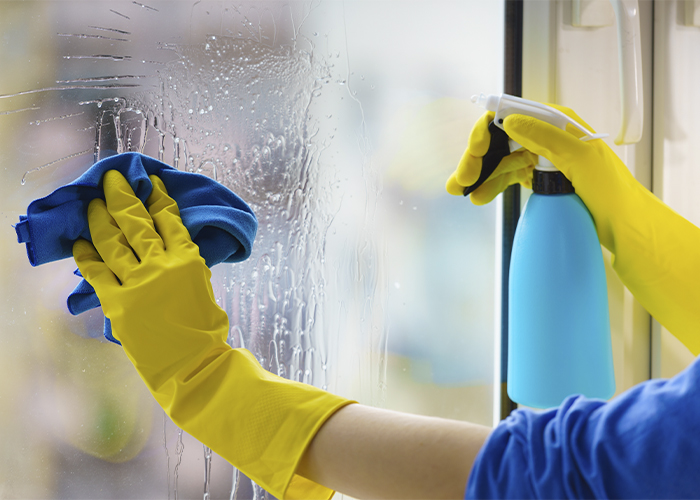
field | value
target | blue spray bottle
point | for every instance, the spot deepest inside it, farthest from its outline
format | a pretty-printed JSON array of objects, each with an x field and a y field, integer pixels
[{"x": 559, "y": 327}]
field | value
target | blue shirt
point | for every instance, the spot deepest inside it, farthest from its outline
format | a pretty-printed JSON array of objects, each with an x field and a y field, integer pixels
[{"x": 645, "y": 443}]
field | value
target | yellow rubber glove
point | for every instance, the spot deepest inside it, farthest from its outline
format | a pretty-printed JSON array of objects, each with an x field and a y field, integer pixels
[
  {"x": 156, "y": 290},
  {"x": 655, "y": 251},
  {"x": 516, "y": 168}
]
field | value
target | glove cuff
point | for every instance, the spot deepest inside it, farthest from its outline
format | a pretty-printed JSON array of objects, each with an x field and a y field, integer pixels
[{"x": 261, "y": 423}]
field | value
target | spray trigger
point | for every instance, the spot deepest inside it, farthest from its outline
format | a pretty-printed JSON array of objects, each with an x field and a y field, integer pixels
[
  {"x": 499, "y": 148},
  {"x": 501, "y": 145}
]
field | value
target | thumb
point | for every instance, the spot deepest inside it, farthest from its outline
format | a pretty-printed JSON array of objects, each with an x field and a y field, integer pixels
[{"x": 560, "y": 147}]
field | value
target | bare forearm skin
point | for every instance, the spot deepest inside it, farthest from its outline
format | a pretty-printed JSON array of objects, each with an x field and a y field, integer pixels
[{"x": 372, "y": 453}]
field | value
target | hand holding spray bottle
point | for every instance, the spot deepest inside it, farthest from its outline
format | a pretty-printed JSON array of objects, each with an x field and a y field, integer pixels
[{"x": 559, "y": 327}]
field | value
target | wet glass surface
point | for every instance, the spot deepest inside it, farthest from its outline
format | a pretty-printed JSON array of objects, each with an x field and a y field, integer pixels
[{"x": 338, "y": 122}]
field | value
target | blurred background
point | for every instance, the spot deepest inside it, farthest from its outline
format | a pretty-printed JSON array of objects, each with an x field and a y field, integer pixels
[{"x": 338, "y": 122}]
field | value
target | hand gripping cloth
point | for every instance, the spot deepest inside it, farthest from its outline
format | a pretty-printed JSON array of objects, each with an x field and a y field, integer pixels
[
  {"x": 175, "y": 336},
  {"x": 219, "y": 222}
]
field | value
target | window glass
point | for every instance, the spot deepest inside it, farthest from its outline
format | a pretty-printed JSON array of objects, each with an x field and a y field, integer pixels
[{"x": 338, "y": 122}]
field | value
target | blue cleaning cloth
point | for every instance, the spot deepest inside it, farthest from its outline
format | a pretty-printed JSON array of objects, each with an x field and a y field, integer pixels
[{"x": 220, "y": 223}]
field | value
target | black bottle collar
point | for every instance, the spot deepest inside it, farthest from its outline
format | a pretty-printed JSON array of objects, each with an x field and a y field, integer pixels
[{"x": 545, "y": 182}]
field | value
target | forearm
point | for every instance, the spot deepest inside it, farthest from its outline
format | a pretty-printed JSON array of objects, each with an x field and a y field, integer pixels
[
  {"x": 367, "y": 452},
  {"x": 657, "y": 256}
]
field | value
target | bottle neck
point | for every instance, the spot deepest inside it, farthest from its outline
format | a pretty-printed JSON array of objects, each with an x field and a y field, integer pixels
[{"x": 547, "y": 182}]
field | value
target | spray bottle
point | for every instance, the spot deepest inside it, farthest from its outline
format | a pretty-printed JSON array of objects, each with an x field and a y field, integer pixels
[{"x": 558, "y": 321}]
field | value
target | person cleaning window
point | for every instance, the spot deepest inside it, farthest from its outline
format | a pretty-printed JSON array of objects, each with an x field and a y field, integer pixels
[{"x": 300, "y": 442}]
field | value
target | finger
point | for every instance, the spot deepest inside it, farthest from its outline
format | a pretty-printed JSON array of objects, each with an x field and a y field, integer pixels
[
  {"x": 558, "y": 146},
  {"x": 131, "y": 216},
  {"x": 92, "y": 267},
  {"x": 453, "y": 187},
  {"x": 515, "y": 161},
  {"x": 109, "y": 240},
  {"x": 571, "y": 114},
  {"x": 166, "y": 216},
  {"x": 480, "y": 137},
  {"x": 469, "y": 166},
  {"x": 468, "y": 169},
  {"x": 490, "y": 189}
]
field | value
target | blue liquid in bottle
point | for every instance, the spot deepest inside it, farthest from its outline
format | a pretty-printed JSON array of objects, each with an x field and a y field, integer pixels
[{"x": 559, "y": 327}]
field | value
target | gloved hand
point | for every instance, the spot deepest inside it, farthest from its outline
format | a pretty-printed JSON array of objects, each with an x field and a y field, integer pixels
[
  {"x": 156, "y": 290},
  {"x": 654, "y": 250},
  {"x": 516, "y": 168}
]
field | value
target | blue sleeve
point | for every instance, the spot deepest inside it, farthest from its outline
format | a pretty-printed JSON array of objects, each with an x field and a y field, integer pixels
[{"x": 645, "y": 443}]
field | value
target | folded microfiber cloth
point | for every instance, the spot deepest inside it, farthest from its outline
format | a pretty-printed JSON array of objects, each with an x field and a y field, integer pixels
[{"x": 220, "y": 223}]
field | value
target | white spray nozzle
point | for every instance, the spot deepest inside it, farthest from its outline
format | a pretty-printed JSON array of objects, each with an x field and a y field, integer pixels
[
  {"x": 488, "y": 102},
  {"x": 505, "y": 105}
]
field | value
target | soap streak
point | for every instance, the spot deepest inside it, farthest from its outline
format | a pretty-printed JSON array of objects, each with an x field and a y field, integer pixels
[
  {"x": 74, "y": 87},
  {"x": 179, "y": 449},
  {"x": 110, "y": 29},
  {"x": 18, "y": 110},
  {"x": 145, "y": 6},
  {"x": 167, "y": 454},
  {"x": 24, "y": 177},
  {"x": 101, "y": 78},
  {"x": 98, "y": 37},
  {"x": 101, "y": 56},
  {"x": 119, "y": 14},
  {"x": 63, "y": 117},
  {"x": 207, "y": 472}
]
